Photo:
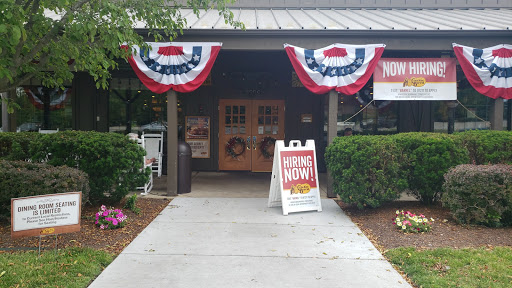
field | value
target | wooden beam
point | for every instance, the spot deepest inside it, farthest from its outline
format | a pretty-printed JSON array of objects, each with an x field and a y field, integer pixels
[
  {"x": 332, "y": 131},
  {"x": 172, "y": 143}
]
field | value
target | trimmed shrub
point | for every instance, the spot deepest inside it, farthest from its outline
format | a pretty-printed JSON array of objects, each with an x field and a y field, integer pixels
[
  {"x": 428, "y": 158},
  {"x": 479, "y": 194},
  {"x": 21, "y": 179},
  {"x": 112, "y": 161},
  {"x": 487, "y": 146},
  {"x": 366, "y": 170},
  {"x": 15, "y": 146}
]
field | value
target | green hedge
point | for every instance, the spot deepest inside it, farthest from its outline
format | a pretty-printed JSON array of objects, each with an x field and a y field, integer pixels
[
  {"x": 366, "y": 169},
  {"x": 21, "y": 179},
  {"x": 15, "y": 146},
  {"x": 112, "y": 161},
  {"x": 428, "y": 158},
  {"x": 479, "y": 194},
  {"x": 487, "y": 146}
]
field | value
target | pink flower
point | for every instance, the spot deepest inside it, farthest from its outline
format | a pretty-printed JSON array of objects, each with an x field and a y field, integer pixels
[
  {"x": 114, "y": 221},
  {"x": 102, "y": 226},
  {"x": 103, "y": 208},
  {"x": 120, "y": 215},
  {"x": 105, "y": 213},
  {"x": 409, "y": 224},
  {"x": 96, "y": 223}
]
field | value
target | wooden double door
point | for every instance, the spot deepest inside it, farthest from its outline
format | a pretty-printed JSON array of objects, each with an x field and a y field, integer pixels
[{"x": 248, "y": 130}]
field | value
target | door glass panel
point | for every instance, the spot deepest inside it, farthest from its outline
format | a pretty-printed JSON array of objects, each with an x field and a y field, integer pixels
[
  {"x": 268, "y": 110},
  {"x": 235, "y": 119},
  {"x": 261, "y": 120},
  {"x": 275, "y": 130},
  {"x": 242, "y": 109},
  {"x": 228, "y": 109},
  {"x": 242, "y": 119},
  {"x": 228, "y": 120},
  {"x": 261, "y": 110},
  {"x": 242, "y": 129},
  {"x": 275, "y": 120},
  {"x": 267, "y": 120},
  {"x": 275, "y": 110},
  {"x": 235, "y": 109},
  {"x": 234, "y": 130},
  {"x": 228, "y": 130},
  {"x": 268, "y": 128}
]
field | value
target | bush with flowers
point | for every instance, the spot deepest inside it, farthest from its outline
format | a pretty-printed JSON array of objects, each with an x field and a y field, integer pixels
[
  {"x": 408, "y": 222},
  {"x": 110, "y": 218}
]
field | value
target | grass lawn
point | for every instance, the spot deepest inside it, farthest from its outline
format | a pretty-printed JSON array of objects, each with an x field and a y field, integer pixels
[
  {"x": 447, "y": 267},
  {"x": 70, "y": 267}
]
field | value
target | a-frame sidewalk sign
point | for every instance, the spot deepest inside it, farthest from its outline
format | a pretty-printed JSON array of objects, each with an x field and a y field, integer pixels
[{"x": 294, "y": 183}]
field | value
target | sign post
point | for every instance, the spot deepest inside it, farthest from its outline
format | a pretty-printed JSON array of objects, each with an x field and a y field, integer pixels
[{"x": 294, "y": 183}]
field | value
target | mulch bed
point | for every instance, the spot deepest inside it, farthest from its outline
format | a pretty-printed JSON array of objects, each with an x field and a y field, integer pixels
[
  {"x": 377, "y": 225},
  {"x": 111, "y": 241}
]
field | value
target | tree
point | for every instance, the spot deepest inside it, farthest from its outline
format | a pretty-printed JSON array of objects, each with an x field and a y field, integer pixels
[{"x": 50, "y": 39}]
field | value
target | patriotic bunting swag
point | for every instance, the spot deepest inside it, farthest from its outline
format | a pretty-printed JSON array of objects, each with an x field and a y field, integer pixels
[
  {"x": 488, "y": 70},
  {"x": 57, "y": 97},
  {"x": 345, "y": 68},
  {"x": 182, "y": 67}
]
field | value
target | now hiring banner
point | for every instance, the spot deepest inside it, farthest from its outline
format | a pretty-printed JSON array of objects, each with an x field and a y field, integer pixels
[{"x": 415, "y": 79}]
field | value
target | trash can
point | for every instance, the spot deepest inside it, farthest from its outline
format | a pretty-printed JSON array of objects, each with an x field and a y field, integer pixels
[{"x": 184, "y": 169}]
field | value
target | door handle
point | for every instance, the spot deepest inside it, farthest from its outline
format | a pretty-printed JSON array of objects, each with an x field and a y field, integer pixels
[
  {"x": 249, "y": 143},
  {"x": 254, "y": 142}
]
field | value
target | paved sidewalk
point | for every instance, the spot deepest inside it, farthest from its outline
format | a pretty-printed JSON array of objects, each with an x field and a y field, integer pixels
[{"x": 239, "y": 242}]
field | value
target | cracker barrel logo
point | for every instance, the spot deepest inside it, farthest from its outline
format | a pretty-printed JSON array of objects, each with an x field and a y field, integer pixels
[
  {"x": 415, "y": 81},
  {"x": 48, "y": 231},
  {"x": 300, "y": 189}
]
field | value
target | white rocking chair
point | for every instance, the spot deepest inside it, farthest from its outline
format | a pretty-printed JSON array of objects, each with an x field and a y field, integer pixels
[
  {"x": 145, "y": 164},
  {"x": 154, "y": 144}
]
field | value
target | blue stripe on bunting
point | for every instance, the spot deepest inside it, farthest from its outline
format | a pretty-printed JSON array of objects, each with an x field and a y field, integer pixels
[{"x": 172, "y": 69}]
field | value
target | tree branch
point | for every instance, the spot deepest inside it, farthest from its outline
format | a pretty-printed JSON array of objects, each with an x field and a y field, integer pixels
[{"x": 51, "y": 33}]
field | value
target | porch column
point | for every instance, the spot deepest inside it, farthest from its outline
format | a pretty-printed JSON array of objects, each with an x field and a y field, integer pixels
[
  {"x": 5, "y": 115},
  {"x": 497, "y": 114},
  {"x": 332, "y": 124},
  {"x": 172, "y": 143}
]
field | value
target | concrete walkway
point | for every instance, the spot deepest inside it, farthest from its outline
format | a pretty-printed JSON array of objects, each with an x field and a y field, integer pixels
[{"x": 239, "y": 242}]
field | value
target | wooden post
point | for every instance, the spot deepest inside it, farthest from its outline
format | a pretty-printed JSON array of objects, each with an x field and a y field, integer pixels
[
  {"x": 332, "y": 130},
  {"x": 5, "y": 115},
  {"x": 172, "y": 143},
  {"x": 497, "y": 114}
]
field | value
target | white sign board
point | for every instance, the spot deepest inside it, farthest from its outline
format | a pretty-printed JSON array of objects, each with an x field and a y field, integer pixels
[
  {"x": 415, "y": 79},
  {"x": 294, "y": 183},
  {"x": 39, "y": 215}
]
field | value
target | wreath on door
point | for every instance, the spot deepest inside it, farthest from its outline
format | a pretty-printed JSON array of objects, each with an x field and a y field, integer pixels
[
  {"x": 232, "y": 143},
  {"x": 267, "y": 142}
]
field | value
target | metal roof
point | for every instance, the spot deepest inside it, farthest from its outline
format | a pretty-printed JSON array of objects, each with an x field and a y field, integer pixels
[{"x": 291, "y": 19}]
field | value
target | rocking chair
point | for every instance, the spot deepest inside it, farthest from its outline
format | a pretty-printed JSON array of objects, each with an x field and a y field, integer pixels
[
  {"x": 154, "y": 144},
  {"x": 146, "y": 163}
]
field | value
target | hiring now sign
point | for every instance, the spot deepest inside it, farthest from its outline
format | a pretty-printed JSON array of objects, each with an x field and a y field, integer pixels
[
  {"x": 415, "y": 79},
  {"x": 294, "y": 182}
]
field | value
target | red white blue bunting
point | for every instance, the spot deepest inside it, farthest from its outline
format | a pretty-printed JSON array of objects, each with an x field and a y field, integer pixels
[
  {"x": 181, "y": 66},
  {"x": 488, "y": 70},
  {"x": 57, "y": 97},
  {"x": 345, "y": 68}
]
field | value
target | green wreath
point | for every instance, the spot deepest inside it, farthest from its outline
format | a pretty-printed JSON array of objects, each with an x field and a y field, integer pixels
[
  {"x": 232, "y": 143},
  {"x": 266, "y": 142}
]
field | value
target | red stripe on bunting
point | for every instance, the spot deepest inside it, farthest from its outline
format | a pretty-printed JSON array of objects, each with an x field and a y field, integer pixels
[
  {"x": 475, "y": 80},
  {"x": 182, "y": 88}
]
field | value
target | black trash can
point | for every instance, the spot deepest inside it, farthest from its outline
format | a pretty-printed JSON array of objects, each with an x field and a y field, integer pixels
[{"x": 184, "y": 168}]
